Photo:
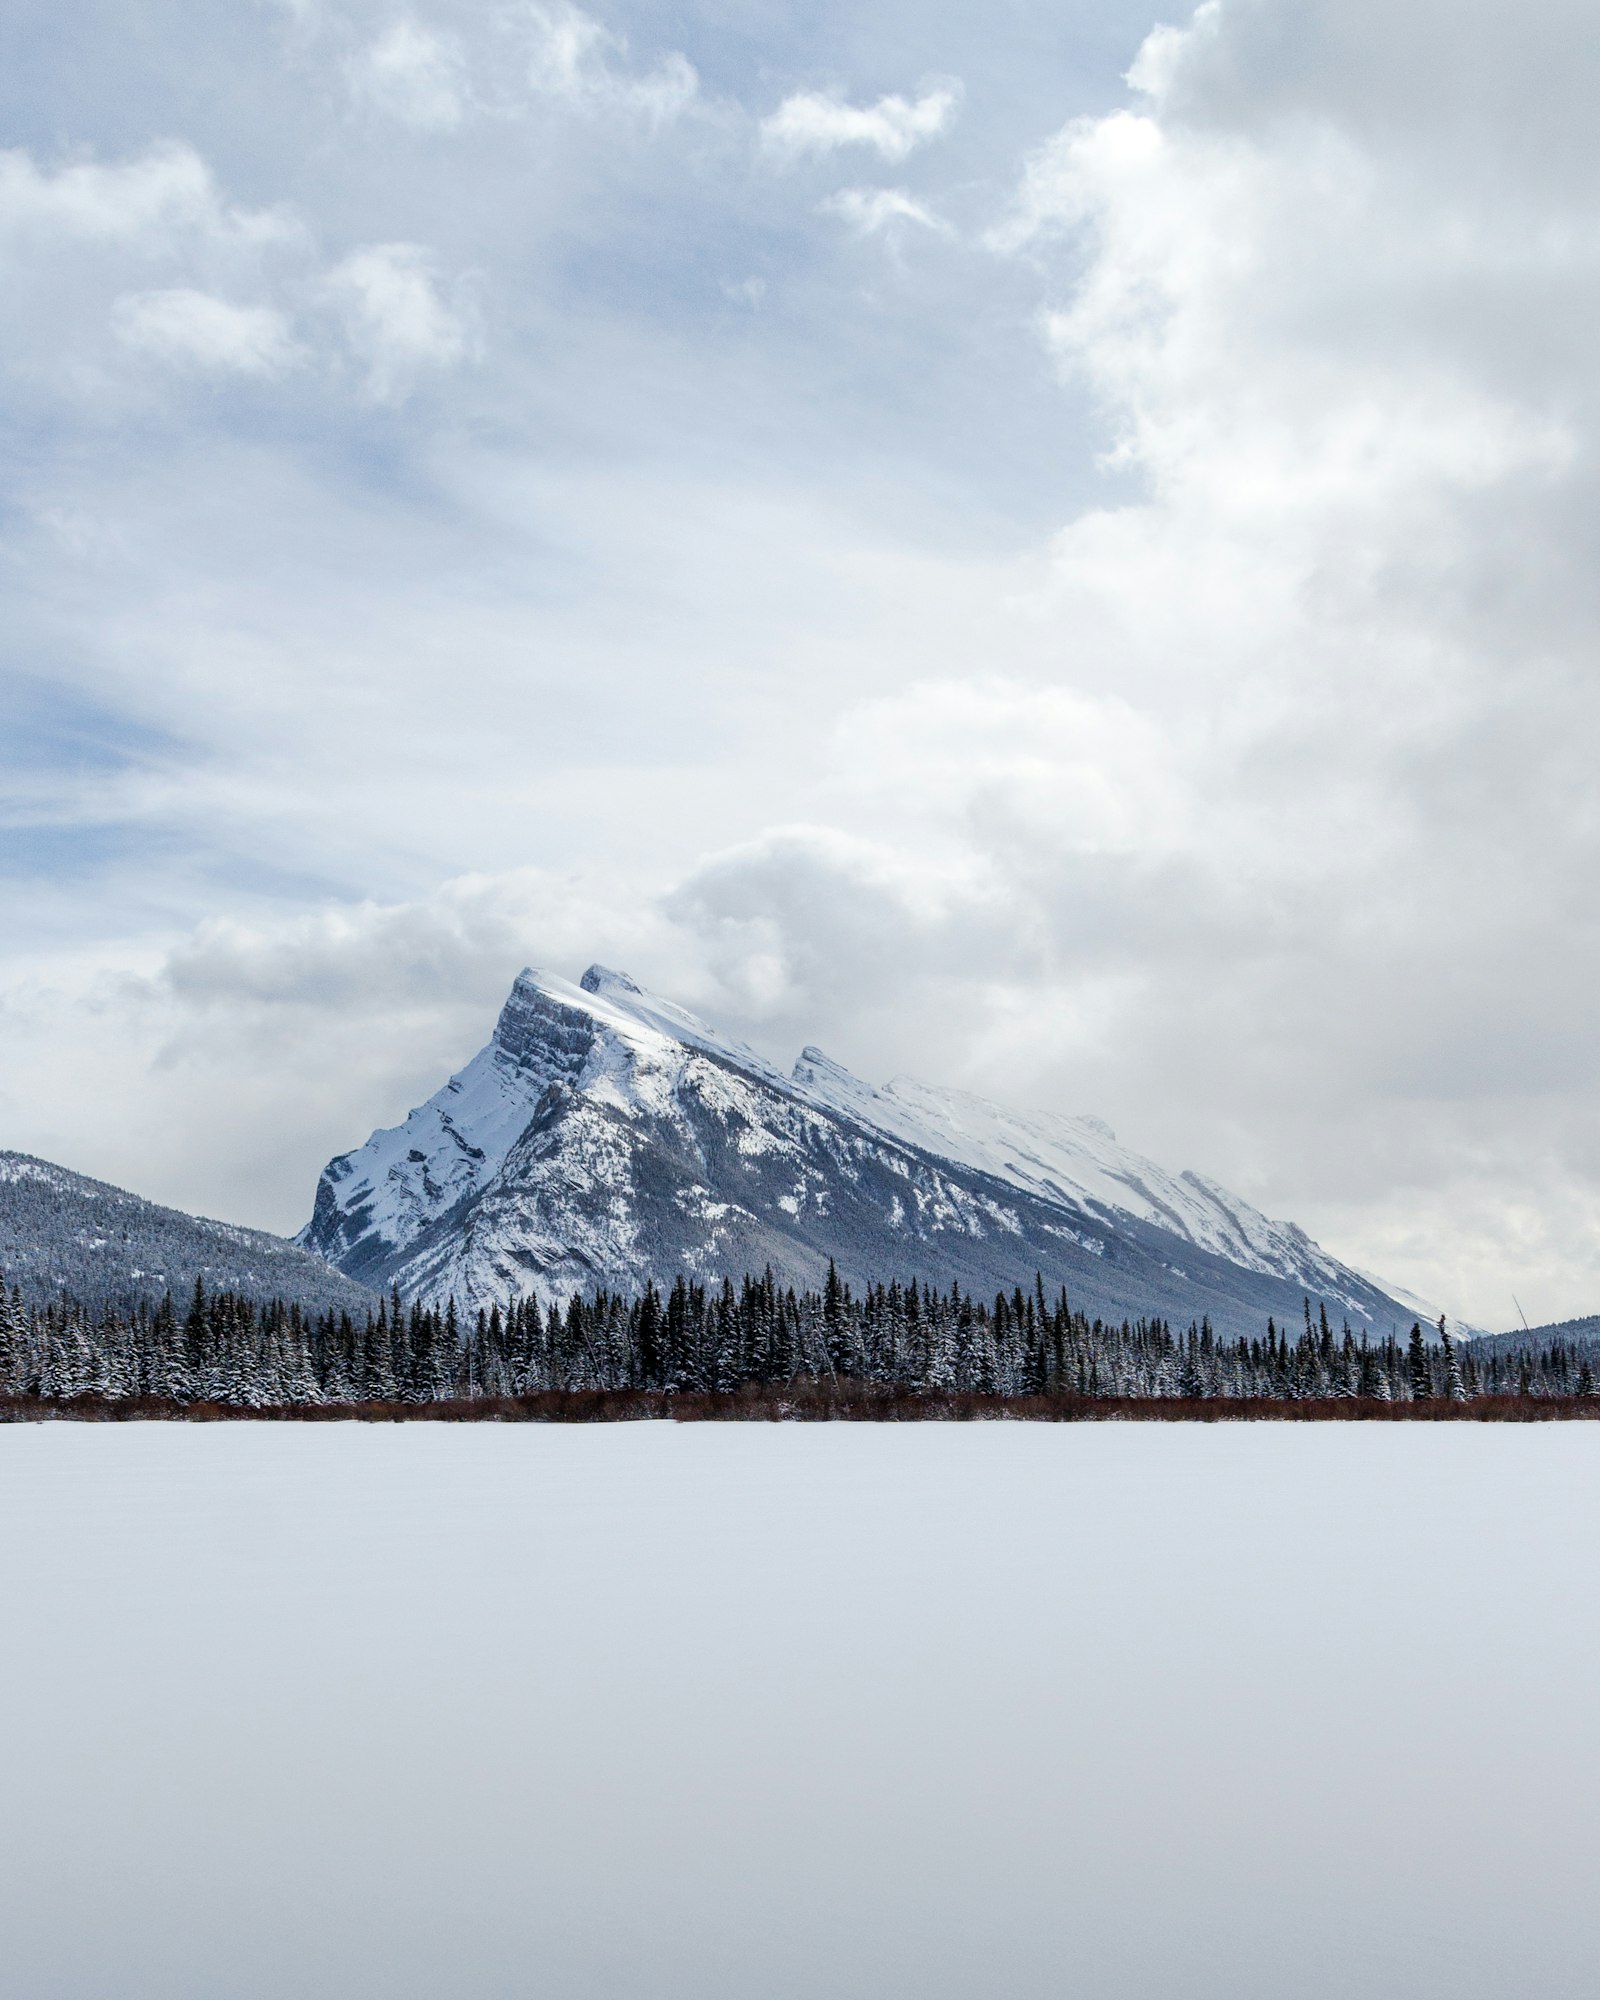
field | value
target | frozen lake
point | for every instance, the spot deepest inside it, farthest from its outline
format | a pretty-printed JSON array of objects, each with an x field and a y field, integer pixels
[{"x": 724, "y": 1712}]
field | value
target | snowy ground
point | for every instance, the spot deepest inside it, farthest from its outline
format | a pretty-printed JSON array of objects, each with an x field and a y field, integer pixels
[{"x": 729, "y": 1712}]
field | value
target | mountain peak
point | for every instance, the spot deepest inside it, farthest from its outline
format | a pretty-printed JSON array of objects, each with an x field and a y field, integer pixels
[
  {"x": 601, "y": 979},
  {"x": 811, "y": 1064},
  {"x": 670, "y": 1146}
]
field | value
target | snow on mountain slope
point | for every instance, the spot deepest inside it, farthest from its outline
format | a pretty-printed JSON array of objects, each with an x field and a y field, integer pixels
[
  {"x": 605, "y": 1135},
  {"x": 606, "y": 1041},
  {"x": 1078, "y": 1159},
  {"x": 62, "y": 1232}
]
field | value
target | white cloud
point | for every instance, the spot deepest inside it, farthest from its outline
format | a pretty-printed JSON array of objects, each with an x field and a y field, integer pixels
[
  {"x": 414, "y": 74},
  {"x": 872, "y": 211},
  {"x": 1009, "y": 765},
  {"x": 186, "y": 327},
  {"x": 246, "y": 291},
  {"x": 578, "y": 60},
  {"x": 108, "y": 262},
  {"x": 1349, "y": 602},
  {"x": 398, "y": 324},
  {"x": 164, "y": 196},
  {"x": 820, "y": 122}
]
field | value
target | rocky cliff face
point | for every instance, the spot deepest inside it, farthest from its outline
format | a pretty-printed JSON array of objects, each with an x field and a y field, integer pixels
[{"x": 605, "y": 1136}]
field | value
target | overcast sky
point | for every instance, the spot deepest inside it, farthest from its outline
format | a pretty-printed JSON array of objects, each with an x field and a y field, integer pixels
[{"x": 1024, "y": 544}]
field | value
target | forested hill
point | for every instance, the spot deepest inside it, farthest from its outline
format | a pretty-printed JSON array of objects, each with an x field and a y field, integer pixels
[
  {"x": 1563, "y": 1351},
  {"x": 1569, "y": 1333},
  {"x": 63, "y": 1234}
]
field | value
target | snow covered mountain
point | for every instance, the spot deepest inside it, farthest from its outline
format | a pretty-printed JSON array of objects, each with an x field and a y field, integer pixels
[
  {"x": 606, "y": 1136},
  {"x": 62, "y": 1232}
]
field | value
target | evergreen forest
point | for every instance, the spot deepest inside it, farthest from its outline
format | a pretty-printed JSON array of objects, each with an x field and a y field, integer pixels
[{"x": 224, "y": 1351}]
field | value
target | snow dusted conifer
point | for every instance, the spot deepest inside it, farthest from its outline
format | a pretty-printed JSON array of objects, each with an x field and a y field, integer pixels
[
  {"x": 1418, "y": 1366},
  {"x": 832, "y": 1302},
  {"x": 416, "y": 1351},
  {"x": 677, "y": 1370},
  {"x": 249, "y": 1380},
  {"x": 650, "y": 1339},
  {"x": 496, "y": 1379},
  {"x": 941, "y": 1368},
  {"x": 444, "y": 1353},
  {"x": 985, "y": 1352},
  {"x": 914, "y": 1354},
  {"x": 300, "y": 1383},
  {"x": 55, "y": 1378},
  {"x": 573, "y": 1365},
  {"x": 378, "y": 1385},
  {"x": 447, "y": 1353},
  {"x": 1191, "y": 1383},
  {"x": 1345, "y": 1377},
  {"x": 336, "y": 1358},
  {"x": 725, "y": 1340},
  {"x": 69, "y": 1357},
  {"x": 195, "y": 1342},
  {"x": 12, "y": 1343},
  {"x": 110, "y": 1369},
  {"x": 1454, "y": 1387}
]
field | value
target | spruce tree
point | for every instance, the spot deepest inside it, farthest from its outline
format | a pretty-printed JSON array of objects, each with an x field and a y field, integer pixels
[
  {"x": 1417, "y": 1362},
  {"x": 1454, "y": 1387},
  {"x": 13, "y": 1328}
]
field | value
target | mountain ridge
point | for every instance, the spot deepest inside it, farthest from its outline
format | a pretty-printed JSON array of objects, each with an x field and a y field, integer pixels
[{"x": 605, "y": 1135}]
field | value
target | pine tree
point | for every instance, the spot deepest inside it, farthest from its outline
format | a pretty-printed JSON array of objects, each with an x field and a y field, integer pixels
[
  {"x": 11, "y": 1344},
  {"x": 940, "y": 1372},
  {"x": 649, "y": 1339},
  {"x": 1417, "y": 1361},
  {"x": 1455, "y": 1388},
  {"x": 1191, "y": 1384}
]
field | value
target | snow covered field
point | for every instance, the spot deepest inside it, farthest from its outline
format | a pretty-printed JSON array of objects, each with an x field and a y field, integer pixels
[{"x": 823, "y": 1712}]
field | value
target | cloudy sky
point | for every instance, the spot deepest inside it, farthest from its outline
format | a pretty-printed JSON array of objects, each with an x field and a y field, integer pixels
[{"x": 1034, "y": 545}]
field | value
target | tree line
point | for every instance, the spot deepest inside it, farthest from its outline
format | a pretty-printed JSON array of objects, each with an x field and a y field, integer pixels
[{"x": 229, "y": 1350}]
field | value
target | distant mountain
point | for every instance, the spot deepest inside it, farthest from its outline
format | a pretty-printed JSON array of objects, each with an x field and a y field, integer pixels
[
  {"x": 605, "y": 1136},
  {"x": 62, "y": 1232}
]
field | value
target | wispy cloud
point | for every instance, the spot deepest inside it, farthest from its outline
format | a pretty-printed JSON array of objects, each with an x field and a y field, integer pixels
[
  {"x": 189, "y": 328},
  {"x": 398, "y": 322},
  {"x": 578, "y": 60},
  {"x": 415, "y": 74},
  {"x": 164, "y": 196},
  {"x": 873, "y": 211},
  {"x": 824, "y": 122},
  {"x": 249, "y": 292}
]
